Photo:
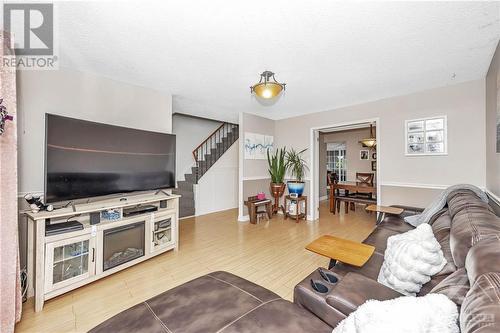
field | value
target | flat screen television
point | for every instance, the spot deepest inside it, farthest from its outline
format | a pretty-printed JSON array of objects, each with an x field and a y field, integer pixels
[{"x": 87, "y": 159}]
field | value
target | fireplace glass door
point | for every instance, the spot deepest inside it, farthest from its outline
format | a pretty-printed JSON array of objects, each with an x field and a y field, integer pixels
[{"x": 123, "y": 244}]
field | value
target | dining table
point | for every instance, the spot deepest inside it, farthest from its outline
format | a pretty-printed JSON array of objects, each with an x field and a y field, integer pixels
[{"x": 350, "y": 186}]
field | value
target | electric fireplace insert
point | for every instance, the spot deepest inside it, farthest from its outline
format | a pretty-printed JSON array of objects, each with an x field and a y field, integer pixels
[{"x": 123, "y": 244}]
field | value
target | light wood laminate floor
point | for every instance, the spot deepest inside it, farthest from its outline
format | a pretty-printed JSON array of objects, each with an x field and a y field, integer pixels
[{"x": 271, "y": 254}]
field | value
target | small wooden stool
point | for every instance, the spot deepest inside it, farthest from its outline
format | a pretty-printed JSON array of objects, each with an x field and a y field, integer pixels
[{"x": 262, "y": 214}]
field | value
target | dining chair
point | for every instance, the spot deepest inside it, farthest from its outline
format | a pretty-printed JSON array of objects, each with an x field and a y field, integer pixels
[
  {"x": 362, "y": 179},
  {"x": 333, "y": 178}
]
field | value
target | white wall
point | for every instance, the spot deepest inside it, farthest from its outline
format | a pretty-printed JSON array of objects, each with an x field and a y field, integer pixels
[
  {"x": 84, "y": 96},
  {"x": 492, "y": 109},
  {"x": 464, "y": 104},
  {"x": 253, "y": 174},
  {"x": 218, "y": 188},
  {"x": 190, "y": 132}
]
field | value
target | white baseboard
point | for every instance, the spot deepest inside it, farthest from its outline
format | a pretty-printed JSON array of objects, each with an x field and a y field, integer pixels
[
  {"x": 243, "y": 218},
  {"x": 323, "y": 198},
  {"x": 214, "y": 211}
]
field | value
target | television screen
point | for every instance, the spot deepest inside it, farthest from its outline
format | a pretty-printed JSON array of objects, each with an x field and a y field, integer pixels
[{"x": 85, "y": 159}]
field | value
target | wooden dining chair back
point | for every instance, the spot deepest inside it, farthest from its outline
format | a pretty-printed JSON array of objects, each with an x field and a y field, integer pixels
[
  {"x": 364, "y": 178},
  {"x": 332, "y": 177}
]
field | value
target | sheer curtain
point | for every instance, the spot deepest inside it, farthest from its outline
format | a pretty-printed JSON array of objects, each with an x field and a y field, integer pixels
[{"x": 10, "y": 285}]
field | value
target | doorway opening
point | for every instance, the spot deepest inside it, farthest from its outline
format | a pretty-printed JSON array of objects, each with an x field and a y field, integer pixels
[{"x": 342, "y": 155}]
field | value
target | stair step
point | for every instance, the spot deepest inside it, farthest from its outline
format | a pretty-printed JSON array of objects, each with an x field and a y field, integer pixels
[
  {"x": 189, "y": 177},
  {"x": 185, "y": 194},
  {"x": 185, "y": 212},
  {"x": 185, "y": 185}
]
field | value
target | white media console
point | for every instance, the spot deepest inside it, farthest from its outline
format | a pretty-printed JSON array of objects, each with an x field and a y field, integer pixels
[{"x": 61, "y": 262}]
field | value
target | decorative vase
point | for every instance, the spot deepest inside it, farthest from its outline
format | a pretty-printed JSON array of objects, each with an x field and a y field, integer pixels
[
  {"x": 277, "y": 190},
  {"x": 296, "y": 187}
]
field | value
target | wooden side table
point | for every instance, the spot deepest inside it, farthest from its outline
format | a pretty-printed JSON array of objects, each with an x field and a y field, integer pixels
[
  {"x": 299, "y": 214},
  {"x": 253, "y": 204},
  {"x": 343, "y": 250},
  {"x": 382, "y": 210}
]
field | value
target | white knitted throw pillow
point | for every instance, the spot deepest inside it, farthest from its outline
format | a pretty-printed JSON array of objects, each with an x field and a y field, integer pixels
[{"x": 411, "y": 259}]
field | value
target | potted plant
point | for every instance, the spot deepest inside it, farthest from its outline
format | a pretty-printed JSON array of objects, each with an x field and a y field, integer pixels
[
  {"x": 277, "y": 169},
  {"x": 297, "y": 166}
]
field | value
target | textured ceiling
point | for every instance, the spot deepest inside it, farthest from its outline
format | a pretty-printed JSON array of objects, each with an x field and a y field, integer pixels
[{"x": 330, "y": 54}]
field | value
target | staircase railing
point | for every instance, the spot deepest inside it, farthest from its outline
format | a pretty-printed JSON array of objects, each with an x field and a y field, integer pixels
[{"x": 204, "y": 149}]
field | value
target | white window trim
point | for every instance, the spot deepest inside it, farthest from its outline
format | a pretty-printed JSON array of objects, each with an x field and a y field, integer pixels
[{"x": 445, "y": 138}]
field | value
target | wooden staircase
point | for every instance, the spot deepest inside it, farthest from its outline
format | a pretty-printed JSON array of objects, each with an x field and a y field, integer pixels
[{"x": 205, "y": 155}]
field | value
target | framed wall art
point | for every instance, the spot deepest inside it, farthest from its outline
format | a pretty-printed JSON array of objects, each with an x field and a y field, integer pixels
[
  {"x": 256, "y": 146},
  {"x": 364, "y": 154},
  {"x": 426, "y": 136}
]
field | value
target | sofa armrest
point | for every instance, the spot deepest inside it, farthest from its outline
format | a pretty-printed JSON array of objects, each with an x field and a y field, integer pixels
[{"x": 355, "y": 289}]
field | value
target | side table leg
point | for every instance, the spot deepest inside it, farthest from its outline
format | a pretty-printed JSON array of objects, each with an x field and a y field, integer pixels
[
  {"x": 332, "y": 263},
  {"x": 380, "y": 217}
]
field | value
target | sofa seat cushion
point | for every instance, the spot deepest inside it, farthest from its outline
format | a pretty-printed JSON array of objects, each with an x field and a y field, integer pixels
[
  {"x": 378, "y": 238},
  {"x": 395, "y": 223},
  {"x": 455, "y": 286},
  {"x": 279, "y": 316},
  {"x": 370, "y": 269},
  {"x": 426, "y": 288},
  {"x": 215, "y": 302}
]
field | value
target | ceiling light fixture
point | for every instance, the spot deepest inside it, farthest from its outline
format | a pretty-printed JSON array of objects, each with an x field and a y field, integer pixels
[
  {"x": 370, "y": 142},
  {"x": 265, "y": 88}
]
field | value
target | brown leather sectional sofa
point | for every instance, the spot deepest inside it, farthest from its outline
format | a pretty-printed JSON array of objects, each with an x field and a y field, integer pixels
[{"x": 469, "y": 234}]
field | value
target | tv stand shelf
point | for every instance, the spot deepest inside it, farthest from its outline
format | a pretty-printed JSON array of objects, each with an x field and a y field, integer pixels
[{"x": 62, "y": 262}]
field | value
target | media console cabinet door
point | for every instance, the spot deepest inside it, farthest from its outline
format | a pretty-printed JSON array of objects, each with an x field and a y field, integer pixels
[{"x": 69, "y": 261}]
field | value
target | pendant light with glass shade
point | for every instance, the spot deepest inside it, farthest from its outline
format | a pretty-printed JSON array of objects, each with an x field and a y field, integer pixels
[
  {"x": 370, "y": 142},
  {"x": 266, "y": 88}
]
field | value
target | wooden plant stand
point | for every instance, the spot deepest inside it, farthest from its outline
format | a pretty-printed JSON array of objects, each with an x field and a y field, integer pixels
[
  {"x": 299, "y": 213},
  {"x": 277, "y": 191}
]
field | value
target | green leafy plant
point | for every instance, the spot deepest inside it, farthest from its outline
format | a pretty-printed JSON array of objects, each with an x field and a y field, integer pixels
[
  {"x": 295, "y": 164},
  {"x": 277, "y": 167}
]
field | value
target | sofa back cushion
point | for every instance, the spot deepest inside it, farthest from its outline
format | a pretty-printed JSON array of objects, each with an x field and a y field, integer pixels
[
  {"x": 455, "y": 286},
  {"x": 483, "y": 258},
  {"x": 472, "y": 220},
  {"x": 441, "y": 226}
]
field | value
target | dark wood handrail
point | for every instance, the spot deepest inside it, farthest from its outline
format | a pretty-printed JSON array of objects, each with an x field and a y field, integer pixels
[{"x": 195, "y": 151}]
